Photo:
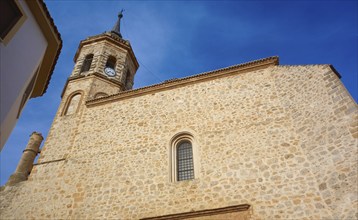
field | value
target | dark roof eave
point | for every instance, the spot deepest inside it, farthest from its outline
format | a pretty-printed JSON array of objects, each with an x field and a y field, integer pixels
[{"x": 57, "y": 33}]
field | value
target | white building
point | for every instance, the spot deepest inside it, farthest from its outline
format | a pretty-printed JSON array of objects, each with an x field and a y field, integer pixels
[{"x": 29, "y": 47}]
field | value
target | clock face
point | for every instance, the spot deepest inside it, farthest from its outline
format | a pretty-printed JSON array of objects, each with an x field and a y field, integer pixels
[{"x": 109, "y": 71}]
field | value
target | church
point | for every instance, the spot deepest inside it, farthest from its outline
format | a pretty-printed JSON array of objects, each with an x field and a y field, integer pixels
[{"x": 257, "y": 140}]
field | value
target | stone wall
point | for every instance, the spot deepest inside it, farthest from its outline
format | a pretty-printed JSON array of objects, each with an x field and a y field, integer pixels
[
  {"x": 65, "y": 127},
  {"x": 326, "y": 120},
  {"x": 282, "y": 139}
]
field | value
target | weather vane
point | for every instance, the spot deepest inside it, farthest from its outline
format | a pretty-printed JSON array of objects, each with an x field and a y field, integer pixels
[
  {"x": 120, "y": 15},
  {"x": 117, "y": 27}
]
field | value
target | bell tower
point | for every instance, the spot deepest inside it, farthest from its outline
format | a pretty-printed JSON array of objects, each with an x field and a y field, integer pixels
[
  {"x": 108, "y": 60},
  {"x": 104, "y": 65}
]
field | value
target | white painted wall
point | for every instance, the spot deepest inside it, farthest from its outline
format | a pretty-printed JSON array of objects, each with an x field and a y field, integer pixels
[{"x": 19, "y": 60}]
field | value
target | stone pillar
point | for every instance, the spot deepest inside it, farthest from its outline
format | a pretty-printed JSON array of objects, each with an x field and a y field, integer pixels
[{"x": 25, "y": 165}]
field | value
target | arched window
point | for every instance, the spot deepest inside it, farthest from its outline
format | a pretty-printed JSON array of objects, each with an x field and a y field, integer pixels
[
  {"x": 100, "y": 94},
  {"x": 72, "y": 103},
  {"x": 87, "y": 63},
  {"x": 111, "y": 62},
  {"x": 183, "y": 160}
]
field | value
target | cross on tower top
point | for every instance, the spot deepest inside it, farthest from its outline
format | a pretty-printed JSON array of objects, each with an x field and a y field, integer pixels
[{"x": 117, "y": 27}]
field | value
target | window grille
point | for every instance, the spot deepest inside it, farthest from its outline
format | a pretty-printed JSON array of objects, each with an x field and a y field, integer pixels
[
  {"x": 185, "y": 165},
  {"x": 87, "y": 63}
]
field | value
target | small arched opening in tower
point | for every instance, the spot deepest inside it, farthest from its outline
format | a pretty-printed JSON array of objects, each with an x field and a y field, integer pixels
[
  {"x": 72, "y": 103},
  {"x": 86, "y": 66},
  {"x": 111, "y": 62}
]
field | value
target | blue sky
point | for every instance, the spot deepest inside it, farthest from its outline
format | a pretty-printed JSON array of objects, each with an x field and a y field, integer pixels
[{"x": 173, "y": 39}]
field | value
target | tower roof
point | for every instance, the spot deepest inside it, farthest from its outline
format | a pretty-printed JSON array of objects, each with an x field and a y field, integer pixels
[{"x": 117, "y": 27}]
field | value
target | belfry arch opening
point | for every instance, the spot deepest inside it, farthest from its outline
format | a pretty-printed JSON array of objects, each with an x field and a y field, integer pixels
[
  {"x": 111, "y": 62},
  {"x": 86, "y": 66}
]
